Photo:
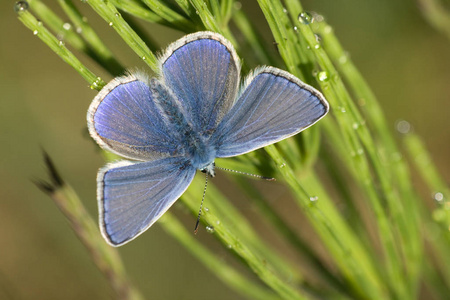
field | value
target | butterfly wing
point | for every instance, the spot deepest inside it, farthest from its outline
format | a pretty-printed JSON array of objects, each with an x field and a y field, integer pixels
[
  {"x": 124, "y": 119},
  {"x": 202, "y": 69},
  {"x": 132, "y": 196},
  {"x": 273, "y": 106}
]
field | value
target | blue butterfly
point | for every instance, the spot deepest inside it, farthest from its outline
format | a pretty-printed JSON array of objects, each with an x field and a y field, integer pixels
[{"x": 181, "y": 121}]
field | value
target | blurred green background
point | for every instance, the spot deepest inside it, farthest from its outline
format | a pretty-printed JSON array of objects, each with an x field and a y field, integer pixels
[{"x": 44, "y": 104}]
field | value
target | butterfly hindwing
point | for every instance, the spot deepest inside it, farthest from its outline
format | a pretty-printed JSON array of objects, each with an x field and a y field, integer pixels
[
  {"x": 132, "y": 196},
  {"x": 273, "y": 106}
]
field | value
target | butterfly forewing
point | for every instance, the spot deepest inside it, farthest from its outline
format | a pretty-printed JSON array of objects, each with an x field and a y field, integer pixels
[
  {"x": 124, "y": 119},
  {"x": 202, "y": 70}
]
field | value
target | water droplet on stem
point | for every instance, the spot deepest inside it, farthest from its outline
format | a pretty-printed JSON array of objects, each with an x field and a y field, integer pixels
[
  {"x": 305, "y": 18},
  {"x": 438, "y": 196},
  {"x": 21, "y": 6},
  {"x": 322, "y": 76},
  {"x": 403, "y": 126}
]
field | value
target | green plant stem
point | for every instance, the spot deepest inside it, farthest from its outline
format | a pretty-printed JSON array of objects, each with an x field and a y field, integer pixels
[
  {"x": 390, "y": 158},
  {"x": 360, "y": 141},
  {"x": 187, "y": 8},
  {"x": 102, "y": 54},
  {"x": 425, "y": 167},
  {"x": 223, "y": 209},
  {"x": 259, "y": 53},
  {"x": 348, "y": 253},
  {"x": 284, "y": 37},
  {"x": 226, "y": 233},
  {"x": 278, "y": 222},
  {"x": 436, "y": 14},
  {"x": 138, "y": 10},
  {"x": 110, "y": 14},
  {"x": 171, "y": 16},
  {"x": 226, "y": 10},
  {"x": 209, "y": 21},
  {"x": 217, "y": 267},
  {"x": 105, "y": 257},
  {"x": 57, "y": 25},
  {"x": 59, "y": 48}
]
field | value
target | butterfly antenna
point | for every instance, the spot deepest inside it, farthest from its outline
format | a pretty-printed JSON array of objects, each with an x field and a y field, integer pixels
[
  {"x": 201, "y": 204},
  {"x": 248, "y": 174}
]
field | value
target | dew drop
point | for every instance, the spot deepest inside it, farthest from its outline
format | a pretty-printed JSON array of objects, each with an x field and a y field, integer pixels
[
  {"x": 285, "y": 10},
  {"x": 322, "y": 76},
  {"x": 305, "y": 18},
  {"x": 342, "y": 109},
  {"x": 360, "y": 151},
  {"x": 210, "y": 229},
  {"x": 313, "y": 198},
  {"x": 67, "y": 26},
  {"x": 328, "y": 29},
  {"x": 343, "y": 59},
  {"x": 206, "y": 209},
  {"x": 21, "y": 6},
  {"x": 61, "y": 43},
  {"x": 117, "y": 15},
  {"x": 229, "y": 246},
  {"x": 295, "y": 28},
  {"x": 39, "y": 23},
  {"x": 144, "y": 58},
  {"x": 95, "y": 84},
  {"x": 35, "y": 32},
  {"x": 403, "y": 126},
  {"x": 438, "y": 196},
  {"x": 317, "y": 46},
  {"x": 283, "y": 165},
  {"x": 79, "y": 30},
  {"x": 355, "y": 125},
  {"x": 237, "y": 5},
  {"x": 111, "y": 24},
  {"x": 308, "y": 48},
  {"x": 318, "y": 18},
  {"x": 217, "y": 222}
]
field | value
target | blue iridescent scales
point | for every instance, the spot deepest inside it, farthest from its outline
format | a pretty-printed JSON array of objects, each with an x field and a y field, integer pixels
[{"x": 173, "y": 125}]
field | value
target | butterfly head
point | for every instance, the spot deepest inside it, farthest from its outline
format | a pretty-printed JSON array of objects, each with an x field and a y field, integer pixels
[{"x": 209, "y": 169}]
